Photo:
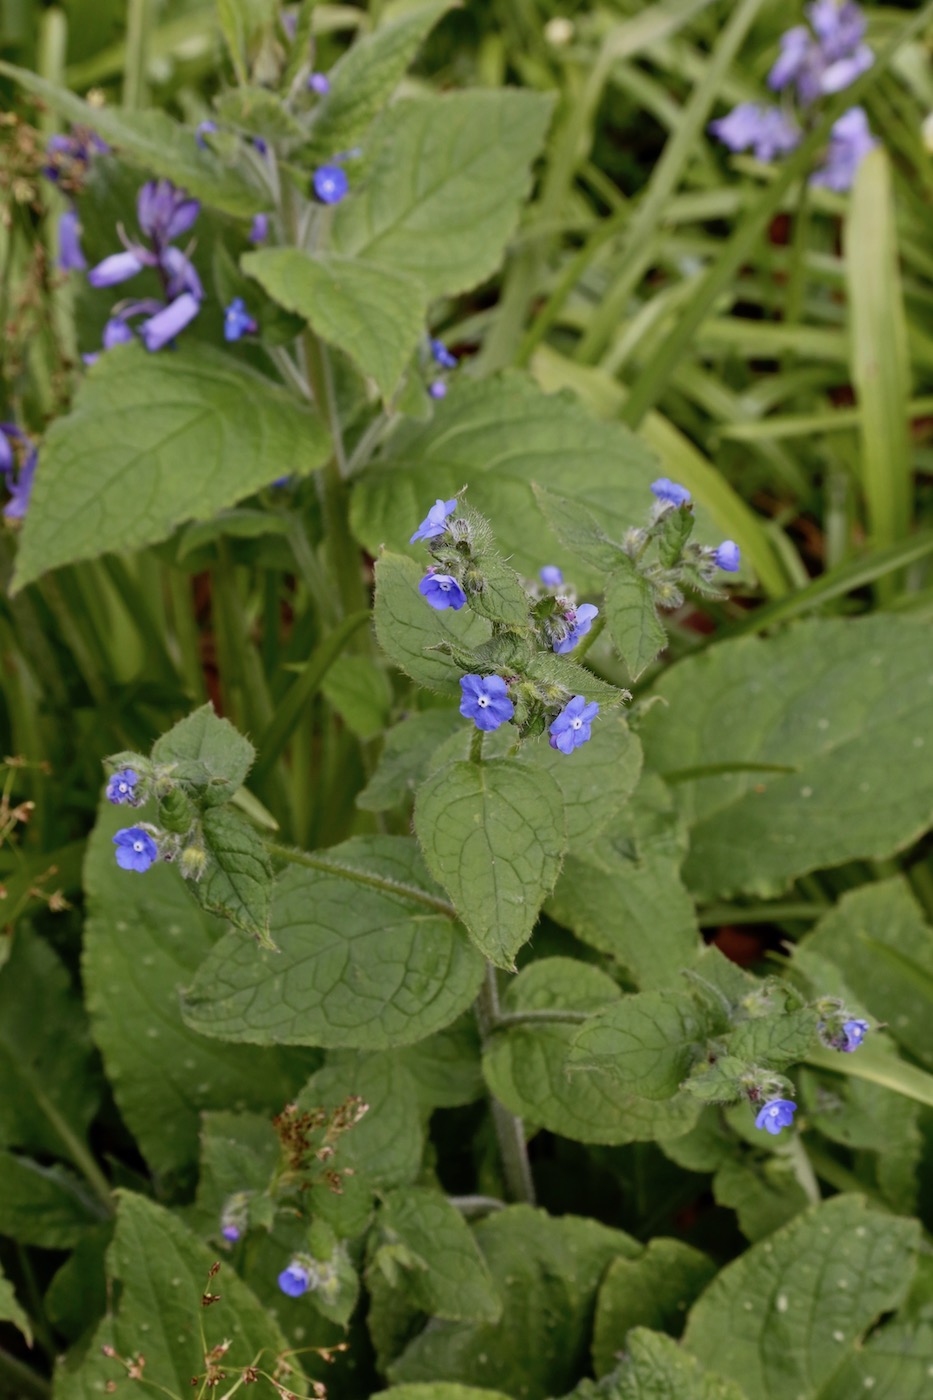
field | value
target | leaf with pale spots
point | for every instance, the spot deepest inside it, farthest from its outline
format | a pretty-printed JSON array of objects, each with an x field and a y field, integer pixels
[
  {"x": 656, "y": 1368},
  {"x": 493, "y": 834},
  {"x": 776, "y": 1041}
]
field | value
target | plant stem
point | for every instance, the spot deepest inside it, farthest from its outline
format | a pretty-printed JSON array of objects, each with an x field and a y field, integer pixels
[
  {"x": 472, "y": 1206},
  {"x": 77, "y": 1151},
  {"x": 21, "y": 1379},
  {"x": 138, "y": 16},
  {"x": 510, "y": 1130},
  {"x": 550, "y": 1015}
]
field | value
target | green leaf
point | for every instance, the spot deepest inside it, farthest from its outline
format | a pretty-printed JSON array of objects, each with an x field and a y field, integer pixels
[
  {"x": 447, "y": 1065},
  {"x": 375, "y": 314},
  {"x": 387, "y": 1143},
  {"x": 440, "y": 1390},
  {"x": 241, "y": 21},
  {"x": 360, "y": 693},
  {"x": 10, "y": 1310},
  {"x": 577, "y": 528},
  {"x": 116, "y": 472},
  {"x": 202, "y": 737},
  {"x": 571, "y": 678},
  {"x": 237, "y": 881},
  {"x": 633, "y": 620},
  {"x": 656, "y": 1368},
  {"x": 784, "y": 1317},
  {"x": 493, "y": 835},
  {"x": 622, "y": 893},
  {"x": 443, "y": 195},
  {"x": 407, "y": 627},
  {"x": 547, "y": 1272},
  {"x": 654, "y": 1290},
  {"x": 765, "y": 1194},
  {"x": 596, "y": 781},
  {"x": 526, "y": 1065},
  {"x": 406, "y": 758},
  {"x": 499, "y": 436},
  {"x": 846, "y": 703},
  {"x": 45, "y": 1206},
  {"x": 645, "y": 1042},
  {"x": 364, "y": 79},
  {"x": 151, "y": 139},
  {"x": 867, "y": 1117},
  {"x": 448, "y": 1277},
  {"x": 366, "y": 960},
  {"x": 502, "y": 597},
  {"x": 143, "y": 939},
  {"x": 239, "y": 1152},
  {"x": 776, "y": 1041}
]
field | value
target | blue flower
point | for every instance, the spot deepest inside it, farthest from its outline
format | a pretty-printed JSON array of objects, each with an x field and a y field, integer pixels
[
  {"x": 164, "y": 211},
  {"x": 728, "y": 556},
  {"x": 136, "y": 849},
  {"x": 442, "y": 592},
  {"x": 122, "y": 787},
  {"x": 668, "y": 492},
  {"x": 776, "y": 1114},
  {"x": 765, "y": 131},
  {"x": 855, "y": 1032},
  {"x": 330, "y": 184},
  {"x": 551, "y": 576},
  {"x": 118, "y": 267},
  {"x": 116, "y": 332},
  {"x": 295, "y": 1279},
  {"x": 580, "y": 623},
  {"x": 437, "y": 389},
  {"x": 850, "y": 140},
  {"x": 70, "y": 254},
  {"x": 442, "y": 355},
  {"x": 827, "y": 60},
  {"x": 435, "y": 522},
  {"x": 231, "y": 1233},
  {"x": 237, "y": 320},
  {"x": 19, "y": 478},
  {"x": 571, "y": 728},
  {"x": 319, "y": 83},
  {"x": 485, "y": 701},
  {"x": 166, "y": 324},
  {"x": 205, "y": 128},
  {"x": 259, "y": 228}
]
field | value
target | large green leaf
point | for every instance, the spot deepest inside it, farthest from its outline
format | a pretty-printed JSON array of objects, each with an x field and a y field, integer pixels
[
  {"x": 765, "y": 1193},
  {"x": 10, "y": 1310},
  {"x": 362, "y": 964},
  {"x": 654, "y": 1290},
  {"x": 493, "y": 834},
  {"x": 845, "y": 704},
  {"x": 143, "y": 939},
  {"x": 439, "y": 1267},
  {"x": 46, "y": 1206},
  {"x": 526, "y": 1065},
  {"x": 408, "y": 627},
  {"x": 386, "y": 1145},
  {"x": 645, "y": 1042},
  {"x": 375, "y": 314},
  {"x": 785, "y": 1317},
  {"x": 406, "y": 757},
  {"x": 443, "y": 196},
  {"x": 499, "y": 437},
  {"x": 204, "y": 738},
  {"x": 633, "y": 621},
  {"x": 237, "y": 881},
  {"x": 656, "y": 1368},
  {"x": 152, "y": 140},
  {"x": 547, "y": 1271},
  {"x": 152, "y": 441}
]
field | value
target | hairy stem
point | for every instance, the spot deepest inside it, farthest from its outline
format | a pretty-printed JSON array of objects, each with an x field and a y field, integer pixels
[{"x": 510, "y": 1130}]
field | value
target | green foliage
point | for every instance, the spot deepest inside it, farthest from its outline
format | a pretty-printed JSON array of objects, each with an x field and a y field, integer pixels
[
  {"x": 426, "y": 1249},
  {"x": 654, "y": 1290},
  {"x": 644, "y": 1042}
]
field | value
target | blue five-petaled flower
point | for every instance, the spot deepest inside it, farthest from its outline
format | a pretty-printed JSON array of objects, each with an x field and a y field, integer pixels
[
  {"x": 668, "y": 492},
  {"x": 435, "y": 522},
  {"x": 122, "y": 787},
  {"x": 855, "y": 1032},
  {"x": 775, "y": 1115},
  {"x": 571, "y": 728},
  {"x": 136, "y": 849},
  {"x": 237, "y": 320},
  {"x": 485, "y": 701},
  {"x": 330, "y": 184},
  {"x": 580, "y": 623},
  {"x": 442, "y": 591},
  {"x": 295, "y": 1279}
]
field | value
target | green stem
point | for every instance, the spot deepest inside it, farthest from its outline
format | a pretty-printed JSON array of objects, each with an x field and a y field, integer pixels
[
  {"x": 476, "y": 746},
  {"x": 472, "y": 1206},
  {"x": 138, "y": 17},
  {"x": 544, "y": 1016},
  {"x": 803, "y": 1169},
  {"x": 187, "y": 636},
  {"x": 16, "y": 1378},
  {"x": 78, "y": 1153},
  {"x": 361, "y": 877},
  {"x": 510, "y": 1130}
]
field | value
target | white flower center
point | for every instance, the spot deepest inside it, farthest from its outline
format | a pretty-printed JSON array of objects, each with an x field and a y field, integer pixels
[
  {"x": 124, "y": 787},
  {"x": 137, "y": 846},
  {"x": 483, "y": 700},
  {"x": 576, "y": 724}
]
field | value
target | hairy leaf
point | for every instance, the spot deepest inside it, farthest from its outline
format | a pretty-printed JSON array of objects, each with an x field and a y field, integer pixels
[
  {"x": 408, "y": 628},
  {"x": 645, "y": 1042},
  {"x": 447, "y": 1276},
  {"x": 655, "y": 1290}
]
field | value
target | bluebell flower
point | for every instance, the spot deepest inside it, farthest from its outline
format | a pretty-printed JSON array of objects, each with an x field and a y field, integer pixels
[
  {"x": 776, "y": 1114},
  {"x": 18, "y": 478},
  {"x": 205, "y": 128},
  {"x": 437, "y": 389},
  {"x": 855, "y": 1032},
  {"x": 551, "y": 576},
  {"x": 826, "y": 60},
  {"x": 319, "y": 83},
  {"x": 581, "y": 620},
  {"x": 295, "y": 1279},
  {"x": 180, "y": 275},
  {"x": 435, "y": 522},
  {"x": 136, "y": 849},
  {"x": 485, "y": 700},
  {"x": 122, "y": 787},
  {"x": 796, "y": 45},
  {"x": 70, "y": 253},
  {"x": 850, "y": 140},
  {"x": 765, "y": 131},
  {"x": 163, "y": 327},
  {"x": 164, "y": 211},
  {"x": 728, "y": 556},
  {"x": 259, "y": 228},
  {"x": 442, "y": 592},
  {"x": 571, "y": 728},
  {"x": 67, "y": 157},
  {"x": 442, "y": 356},
  {"x": 668, "y": 492},
  {"x": 116, "y": 332},
  {"x": 237, "y": 320},
  {"x": 118, "y": 267},
  {"x": 330, "y": 184}
]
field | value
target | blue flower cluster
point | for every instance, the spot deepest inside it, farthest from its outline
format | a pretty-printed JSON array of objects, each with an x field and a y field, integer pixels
[
  {"x": 67, "y": 158},
  {"x": 670, "y": 495},
  {"x": 814, "y": 62}
]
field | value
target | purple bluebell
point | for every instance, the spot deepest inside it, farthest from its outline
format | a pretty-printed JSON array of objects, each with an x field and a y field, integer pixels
[
  {"x": 775, "y": 1115},
  {"x": 259, "y": 228},
  {"x": 237, "y": 320},
  {"x": 551, "y": 576},
  {"x": 70, "y": 253},
  {"x": 437, "y": 389},
  {"x": 840, "y": 27},
  {"x": 121, "y": 789},
  {"x": 580, "y": 621},
  {"x": 180, "y": 275},
  {"x": 668, "y": 492},
  {"x": 485, "y": 700},
  {"x": 330, "y": 184},
  {"x": 205, "y": 128},
  {"x": 18, "y": 478},
  {"x": 850, "y": 141},
  {"x": 728, "y": 556},
  {"x": 136, "y": 849},
  {"x": 827, "y": 59},
  {"x": 796, "y": 45},
  {"x": 442, "y": 356},
  {"x": 765, "y": 131},
  {"x": 67, "y": 157},
  {"x": 434, "y": 523},
  {"x": 118, "y": 267},
  {"x": 319, "y": 83},
  {"x": 159, "y": 329},
  {"x": 571, "y": 728},
  {"x": 442, "y": 591},
  {"x": 855, "y": 1032},
  {"x": 261, "y": 145},
  {"x": 295, "y": 1279},
  {"x": 164, "y": 211}
]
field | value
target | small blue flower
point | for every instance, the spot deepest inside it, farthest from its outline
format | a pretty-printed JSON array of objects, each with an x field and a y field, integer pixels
[
  {"x": 159, "y": 329},
  {"x": 237, "y": 320},
  {"x": 319, "y": 83},
  {"x": 116, "y": 332},
  {"x": 776, "y": 1114},
  {"x": 330, "y": 184},
  {"x": 122, "y": 787},
  {"x": 136, "y": 849},
  {"x": 261, "y": 145},
  {"x": 580, "y": 623},
  {"x": 259, "y": 228},
  {"x": 728, "y": 556},
  {"x": 485, "y": 701},
  {"x": 205, "y": 128},
  {"x": 668, "y": 492},
  {"x": 766, "y": 131},
  {"x": 855, "y": 1032},
  {"x": 70, "y": 254},
  {"x": 551, "y": 576},
  {"x": 442, "y": 355},
  {"x": 295, "y": 1279},
  {"x": 437, "y": 389},
  {"x": 571, "y": 728},
  {"x": 231, "y": 1233},
  {"x": 435, "y": 522},
  {"x": 850, "y": 140},
  {"x": 442, "y": 592}
]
